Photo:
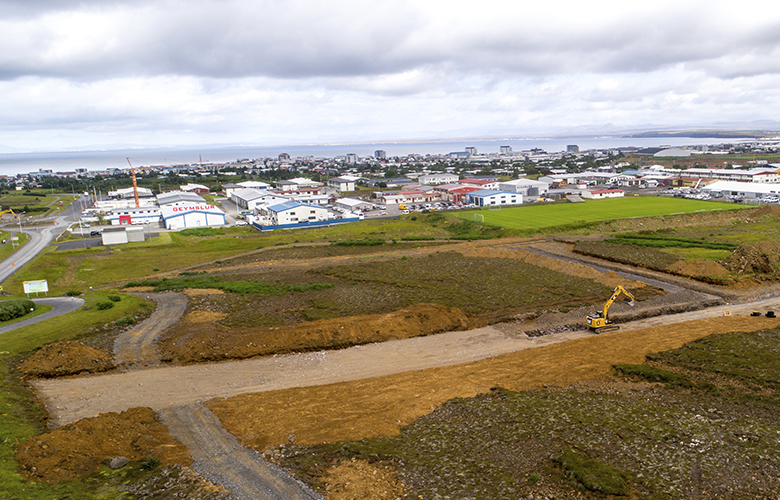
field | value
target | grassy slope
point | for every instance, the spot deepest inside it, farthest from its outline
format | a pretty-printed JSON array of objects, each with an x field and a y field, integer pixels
[
  {"x": 21, "y": 417},
  {"x": 537, "y": 216},
  {"x": 80, "y": 269}
]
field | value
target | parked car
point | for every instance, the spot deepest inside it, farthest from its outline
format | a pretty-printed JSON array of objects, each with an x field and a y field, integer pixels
[
  {"x": 241, "y": 223},
  {"x": 96, "y": 232}
]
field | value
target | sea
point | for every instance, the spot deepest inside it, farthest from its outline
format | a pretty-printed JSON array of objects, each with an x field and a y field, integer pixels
[{"x": 64, "y": 161}]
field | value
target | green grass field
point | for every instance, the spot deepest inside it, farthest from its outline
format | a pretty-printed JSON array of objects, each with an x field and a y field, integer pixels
[
  {"x": 539, "y": 216},
  {"x": 20, "y": 415}
]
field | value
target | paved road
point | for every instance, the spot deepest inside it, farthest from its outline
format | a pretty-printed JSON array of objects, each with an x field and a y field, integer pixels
[
  {"x": 62, "y": 305},
  {"x": 220, "y": 458},
  {"x": 39, "y": 238}
]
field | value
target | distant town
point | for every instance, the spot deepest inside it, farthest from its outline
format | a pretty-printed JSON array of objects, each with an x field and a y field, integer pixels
[{"x": 294, "y": 192}]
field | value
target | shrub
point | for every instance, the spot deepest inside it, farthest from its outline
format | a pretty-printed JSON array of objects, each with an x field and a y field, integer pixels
[
  {"x": 125, "y": 321},
  {"x": 359, "y": 243},
  {"x": 105, "y": 304},
  {"x": 11, "y": 309},
  {"x": 114, "y": 298},
  {"x": 73, "y": 293},
  {"x": 593, "y": 475},
  {"x": 202, "y": 231},
  {"x": 653, "y": 374}
]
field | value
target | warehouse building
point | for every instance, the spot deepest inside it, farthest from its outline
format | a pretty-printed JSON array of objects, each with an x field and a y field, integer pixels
[
  {"x": 490, "y": 198},
  {"x": 183, "y": 216}
]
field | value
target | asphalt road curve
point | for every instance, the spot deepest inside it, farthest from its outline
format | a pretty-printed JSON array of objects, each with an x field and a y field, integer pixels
[
  {"x": 220, "y": 458},
  {"x": 62, "y": 305}
]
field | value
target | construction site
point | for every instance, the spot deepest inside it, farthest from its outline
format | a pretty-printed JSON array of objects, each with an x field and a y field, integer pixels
[{"x": 504, "y": 368}]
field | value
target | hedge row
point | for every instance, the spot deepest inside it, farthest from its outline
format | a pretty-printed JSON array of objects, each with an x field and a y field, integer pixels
[{"x": 11, "y": 309}]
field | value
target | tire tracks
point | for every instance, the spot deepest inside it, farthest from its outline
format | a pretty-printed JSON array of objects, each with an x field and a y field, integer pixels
[
  {"x": 134, "y": 349},
  {"x": 220, "y": 458}
]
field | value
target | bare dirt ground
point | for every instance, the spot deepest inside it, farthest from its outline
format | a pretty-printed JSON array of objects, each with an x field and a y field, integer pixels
[
  {"x": 134, "y": 348},
  {"x": 158, "y": 388},
  {"x": 221, "y": 459}
]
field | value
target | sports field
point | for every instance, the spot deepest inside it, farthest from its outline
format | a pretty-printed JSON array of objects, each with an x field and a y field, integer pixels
[{"x": 536, "y": 216}]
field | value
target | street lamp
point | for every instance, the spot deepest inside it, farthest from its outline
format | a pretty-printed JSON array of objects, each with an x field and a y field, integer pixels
[
  {"x": 32, "y": 310},
  {"x": 93, "y": 294}
]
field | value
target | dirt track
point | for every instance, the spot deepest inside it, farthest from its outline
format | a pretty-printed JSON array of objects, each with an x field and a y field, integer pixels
[
  {"x": 135, "y": 348},
  {"x": 220, "y": 458},
  {"x": 158, "y": 388}
]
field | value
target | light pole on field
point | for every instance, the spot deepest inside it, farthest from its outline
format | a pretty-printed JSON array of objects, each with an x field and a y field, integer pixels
[
  {"x": 93, "y": 294},
  {"x": 32, "y": 310}
]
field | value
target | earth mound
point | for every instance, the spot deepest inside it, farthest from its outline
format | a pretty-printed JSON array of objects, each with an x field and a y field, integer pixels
[
  {"x": 78, "y": 449},
  {"x": 699, "y": 267},
  {"x": 211, "y": 341},
  {"x": 66, "y": 358},
  {"x": 760, "y": 258}
]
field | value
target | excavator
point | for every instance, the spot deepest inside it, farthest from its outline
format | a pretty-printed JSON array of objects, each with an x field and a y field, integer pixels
[{"x": 599, "y": 321}]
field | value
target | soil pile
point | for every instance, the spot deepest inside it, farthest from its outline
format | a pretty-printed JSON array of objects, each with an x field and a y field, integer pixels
[
  {"x": 761, "y": 258},
  {"x": 359, "y": 479},
  {"x": 212, "y": 341},
  {"x": 66, "y": 358},
  {"x": 699, "y": 267},
  {"x": 80, "y": 448}
]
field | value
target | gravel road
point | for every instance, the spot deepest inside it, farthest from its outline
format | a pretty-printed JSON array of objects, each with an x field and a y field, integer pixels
[
  {"x": 220, "y": 458},
  {"x": 134, "y": 348},
  {"x": 74, "y": 398}
]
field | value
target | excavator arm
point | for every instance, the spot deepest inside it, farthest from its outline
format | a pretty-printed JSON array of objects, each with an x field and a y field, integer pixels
[{"x": 600, "y": 321}]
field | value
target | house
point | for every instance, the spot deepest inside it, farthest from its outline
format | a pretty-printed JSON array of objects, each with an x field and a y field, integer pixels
[
  {"x": 431, "y": 179},
  {"x": 491, "y": 197},
  {"x": 480, "y": 183},
  {"x": 343, "y": 183}
]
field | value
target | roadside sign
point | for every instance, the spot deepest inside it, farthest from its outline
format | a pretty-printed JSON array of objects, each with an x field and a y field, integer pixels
[{"x": 37, "y": 286}]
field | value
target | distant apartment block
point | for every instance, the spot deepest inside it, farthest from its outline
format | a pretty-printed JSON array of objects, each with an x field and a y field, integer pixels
[
  {"x": 471, "y": 150},
  {"x": 572, "y": 148},
  {"x": 380, "y": 154},
  {"x": 284, "y": 157},
  {"x": 505, "y": 150}
]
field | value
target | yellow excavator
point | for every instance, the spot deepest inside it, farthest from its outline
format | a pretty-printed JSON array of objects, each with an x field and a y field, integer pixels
[{"x": 599, "y": 321}]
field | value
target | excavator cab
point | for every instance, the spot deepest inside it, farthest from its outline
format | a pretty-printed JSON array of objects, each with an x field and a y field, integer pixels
[{"x": 599, "y": 321}]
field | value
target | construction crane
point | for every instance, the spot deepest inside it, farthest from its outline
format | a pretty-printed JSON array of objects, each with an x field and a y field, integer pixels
[
  {"x": 599, "y": 321},
  {"x": 8, "y": 211},
  {"x": 135, "y": 185}
]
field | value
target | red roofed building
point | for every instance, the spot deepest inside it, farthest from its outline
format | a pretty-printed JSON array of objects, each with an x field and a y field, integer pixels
[{"x": 598, "y": 194}]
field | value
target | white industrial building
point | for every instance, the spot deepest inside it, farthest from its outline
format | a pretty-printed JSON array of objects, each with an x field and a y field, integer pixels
[
  {"x": 184, "y": 216},
  {"x": 291, "y": 212},
  {"x": 122, "y": 235},
  {"x": 526, "y": 187},
  {"x": 130, "y": 193},
  {"x": 135, "y": 215},
  {"x": 353, "y": 204},
  {"x": 490, "y": 197},
  {"x": 250, "y": 198},
  {"x": 173, "y": 198},
  {"x": 747, "y": 190}
]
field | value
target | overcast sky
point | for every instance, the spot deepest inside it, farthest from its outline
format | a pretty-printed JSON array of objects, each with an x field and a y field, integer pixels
[{"x": 178, "y": 72}]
